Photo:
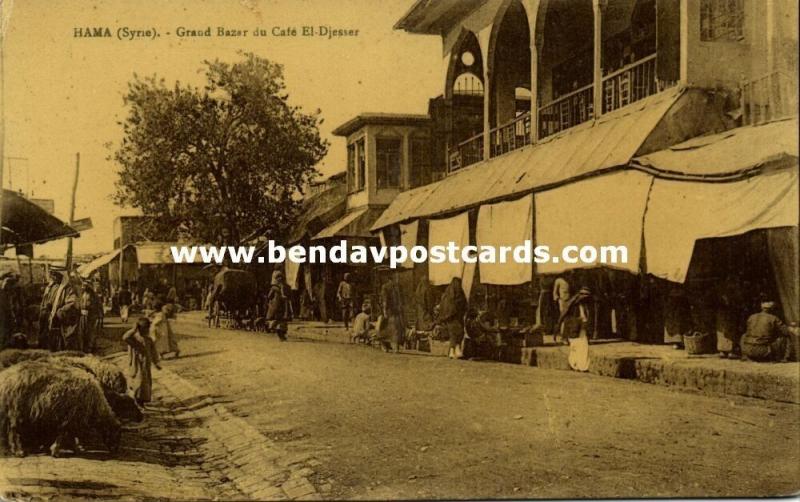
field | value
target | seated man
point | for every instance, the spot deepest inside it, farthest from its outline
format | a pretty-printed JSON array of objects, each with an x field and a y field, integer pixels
[
  {"x": 361, "y": 325},
  {"x": 767, "y": 338}
]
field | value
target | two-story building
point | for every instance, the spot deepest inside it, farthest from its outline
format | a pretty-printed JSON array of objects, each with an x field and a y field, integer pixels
[{"x": 642, "y": 123}]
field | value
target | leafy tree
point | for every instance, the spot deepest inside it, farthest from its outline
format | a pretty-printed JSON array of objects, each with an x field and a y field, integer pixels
[{"x": 230, "y": 156}]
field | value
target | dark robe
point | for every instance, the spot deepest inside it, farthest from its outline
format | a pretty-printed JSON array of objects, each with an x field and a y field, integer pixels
[{"x": 452, "y": 309}]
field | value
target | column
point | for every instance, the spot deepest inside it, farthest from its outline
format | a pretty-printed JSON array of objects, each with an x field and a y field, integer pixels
[
  {"x": 534, "y": 87},
  {"x": 488, "y": 89},
  {"x": 597, "y": 6}
]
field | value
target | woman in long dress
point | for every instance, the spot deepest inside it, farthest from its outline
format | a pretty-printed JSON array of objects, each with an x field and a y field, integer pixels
[
  {"x": 575, "y": 323},
  {"x": 142, "y": 354}
]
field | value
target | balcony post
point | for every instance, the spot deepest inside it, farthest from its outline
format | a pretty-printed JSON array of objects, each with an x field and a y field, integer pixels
[
  {"x": 534, "y": 88},
  {"x": 488, "y": 89},
  {"x": 597, "y": 101}
]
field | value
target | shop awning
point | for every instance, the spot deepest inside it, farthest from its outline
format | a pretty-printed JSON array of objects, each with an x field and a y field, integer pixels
[
  {"x": 356, "y": 223},
  {"x": 26, "y": 223},
  {"x": 87, "y": 269},
  {"x": 160, "y": 253},
  {"x": 681, "y": 212},
  {"x": 586, "y": 150},
  {"x": 319, "y": 211},
  {"x": 730, "y": 153}
]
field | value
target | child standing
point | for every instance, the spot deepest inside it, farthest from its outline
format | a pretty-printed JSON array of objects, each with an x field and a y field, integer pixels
[{"x": 142, "y": 354}]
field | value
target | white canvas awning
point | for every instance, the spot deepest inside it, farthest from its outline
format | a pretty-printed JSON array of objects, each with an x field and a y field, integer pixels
[
  {"x": 441, "y": 233},
  {"x": 679, "y": 213},
  {"x": 87, "y": 269},
  {"x": 602, "y": 211},
  {"x": 505, "y": 224}
]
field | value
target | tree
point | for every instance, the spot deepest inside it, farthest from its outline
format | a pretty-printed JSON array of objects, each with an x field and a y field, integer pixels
[{"x": 232, "y": 155}]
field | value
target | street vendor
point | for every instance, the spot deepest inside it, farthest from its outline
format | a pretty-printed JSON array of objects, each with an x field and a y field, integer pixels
[{"x": 767, "y": 338}]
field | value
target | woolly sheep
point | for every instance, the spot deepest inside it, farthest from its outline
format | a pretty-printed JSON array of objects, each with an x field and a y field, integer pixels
[{"x": 43, "y": 403}]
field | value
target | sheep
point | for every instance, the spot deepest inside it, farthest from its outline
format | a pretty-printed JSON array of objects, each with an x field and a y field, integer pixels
[
  {"x": 43, "y": 403},
  {"x": 10, "y": 357},
  {"x": 111, "y": 378}
]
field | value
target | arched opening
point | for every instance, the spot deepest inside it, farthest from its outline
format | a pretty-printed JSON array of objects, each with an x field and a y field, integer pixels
[
  {"x": 511, "y": 71},
  {"x": 565, "y": 69},
  {"x": 465, "y": 90}
]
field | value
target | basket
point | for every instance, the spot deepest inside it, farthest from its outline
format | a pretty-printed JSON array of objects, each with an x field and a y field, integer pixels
[{"x": 700, "y": 343}]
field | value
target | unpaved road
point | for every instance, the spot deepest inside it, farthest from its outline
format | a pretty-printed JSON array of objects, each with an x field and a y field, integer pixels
[{"x": 416, "y": 426}]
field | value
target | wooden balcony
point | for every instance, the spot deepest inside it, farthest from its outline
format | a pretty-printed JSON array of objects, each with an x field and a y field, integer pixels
[{"x": 622, "y": 87}]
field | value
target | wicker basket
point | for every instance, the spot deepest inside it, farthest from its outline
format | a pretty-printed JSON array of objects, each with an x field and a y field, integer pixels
[{"x": 700, "y": 343}]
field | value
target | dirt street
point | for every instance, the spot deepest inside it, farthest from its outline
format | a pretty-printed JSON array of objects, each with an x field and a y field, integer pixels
[{"x": 377, "y": 425}]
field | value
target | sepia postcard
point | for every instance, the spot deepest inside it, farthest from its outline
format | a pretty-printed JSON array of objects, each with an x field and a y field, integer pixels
[{"x": 399, "y": 250}]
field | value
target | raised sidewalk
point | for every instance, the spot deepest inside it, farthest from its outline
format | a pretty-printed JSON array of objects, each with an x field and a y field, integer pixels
[{"x": 654, "y": 364}]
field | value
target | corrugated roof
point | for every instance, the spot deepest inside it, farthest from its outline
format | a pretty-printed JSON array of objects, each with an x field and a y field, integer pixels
[
  {"x": 594, "y": 147},
  {"x": 356, "y": 223},
  {"x": 87, "y": 269},
  {"x": 728, "y": 153}
]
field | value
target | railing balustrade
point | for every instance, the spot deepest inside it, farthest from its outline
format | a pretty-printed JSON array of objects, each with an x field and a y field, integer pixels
[
  {"x": 468, "y": 152},
  {"x": 512, "y": 135},
  {"x": 567, "y": 111}
]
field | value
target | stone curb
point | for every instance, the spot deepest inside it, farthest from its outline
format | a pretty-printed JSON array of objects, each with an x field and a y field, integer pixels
[
  {"x": 642, "y": 369},
  {"x": 234, "y": 448}
]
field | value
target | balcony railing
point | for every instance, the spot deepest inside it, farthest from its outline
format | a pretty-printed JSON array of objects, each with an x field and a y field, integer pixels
[
  {"x": 620, "y": 88},
  {"x": 769, "y": 97},
  {"x": 466, "y": 153},
  {"x": 567, "y": 111},
  {"x": 630, "y": 83},
  {"x": 510, "y": 136}
]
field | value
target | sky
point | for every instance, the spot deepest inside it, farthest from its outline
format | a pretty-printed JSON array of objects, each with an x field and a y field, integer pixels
[{"x": 63, "y": 94}]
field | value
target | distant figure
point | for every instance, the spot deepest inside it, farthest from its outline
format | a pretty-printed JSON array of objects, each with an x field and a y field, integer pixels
[
  {"x": 392, "y": 326},
  {"x": 142, "y": 354},
  {"x": 87, "y": 323},
  {"x": 171, "y": 296},
  {"x": 424, "y": 303},
  {"x": 344, "y": 295},
  {"x": 46, "y": 307},
  {"x": 561, "y": 295},
  {"x": 575, "y": 325},
  {"x": 452, "y": 310},
  {"x": 124, "y": 299},
  {"x": 162, "y": 334},
  {"x": 278, "y": 306},
  {"x": 362, "y": 326},
  {"x": 7, "y": 322},
  {"x": 67, "y": 317},
  {"x": 767, "y": 338}
]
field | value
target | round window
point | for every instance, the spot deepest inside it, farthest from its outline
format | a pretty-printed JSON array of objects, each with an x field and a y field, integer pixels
[{"x": 467, "y": 58}]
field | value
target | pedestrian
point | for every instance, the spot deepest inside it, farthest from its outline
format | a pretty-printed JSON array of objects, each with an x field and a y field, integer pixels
[
  {"x": 767, "y": 338},
  {"x": 575, "y": 323},
  {"x": 452, "y": 310},
  {"x": 278, "y": 306},
  {"x": 727, "y": 319},
  {"x": 166, "y": 342},
  {"x": 7, "y": 322},
  {"x": 362, "y": 326},
  {"x": 142, "y": 354},
  {"x": 124, "y": 299},
  {"x": 172, "y": 295},
  {"x": 68, "y": 315},
  {"x": 561, "y": 295},
  {"x": 46, "y": 308},
  {"x": 424, "y": 303},
  {"x": 391, "y": 328},
  {"x": 344, "y": 295},
  {"x": 87, "y": 321}
]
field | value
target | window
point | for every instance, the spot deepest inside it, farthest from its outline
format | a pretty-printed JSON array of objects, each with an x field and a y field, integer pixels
[
  {"x": 421, "y": 160},
  {"x": 721, "y": 20},
  {"x": 361, "y": 163},
  {"x": 388, "y": 162},
  {"x": 351, "y": 168}
]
